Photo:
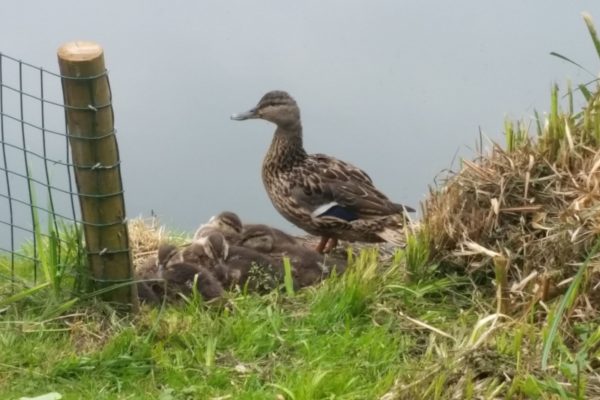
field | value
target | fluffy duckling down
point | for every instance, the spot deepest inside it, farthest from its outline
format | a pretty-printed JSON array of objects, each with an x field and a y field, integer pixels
[
  {"x": 169, "y": 275},
  {"x": 227, "y": 254},
  {"x": 308, "y": 266}
]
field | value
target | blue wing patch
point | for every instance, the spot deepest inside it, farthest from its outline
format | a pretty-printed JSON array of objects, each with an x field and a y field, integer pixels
[{"x": 339, "y": 212}]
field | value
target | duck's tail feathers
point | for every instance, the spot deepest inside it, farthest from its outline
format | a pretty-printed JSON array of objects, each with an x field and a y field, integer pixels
[{"x": 404, "y": 208}]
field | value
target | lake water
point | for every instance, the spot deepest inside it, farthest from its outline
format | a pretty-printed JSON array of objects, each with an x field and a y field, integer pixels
[{"x": 400, "y": 89}]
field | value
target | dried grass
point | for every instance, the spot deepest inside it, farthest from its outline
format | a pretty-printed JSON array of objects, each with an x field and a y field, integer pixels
[
  {"x": 145, "y": 235},
  {"x": 534, "y": 208}
]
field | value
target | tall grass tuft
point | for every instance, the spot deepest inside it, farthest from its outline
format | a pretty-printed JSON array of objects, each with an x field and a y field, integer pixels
[
  {"x": 347, "y": 296},
  {"x": 59, "y": 253}
]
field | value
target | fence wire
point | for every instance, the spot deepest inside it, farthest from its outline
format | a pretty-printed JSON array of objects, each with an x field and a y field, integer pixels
[{"x": 40, "y": 222}]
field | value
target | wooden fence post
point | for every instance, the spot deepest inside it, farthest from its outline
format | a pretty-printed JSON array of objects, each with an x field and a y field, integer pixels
[{"x": 95, "y": 154}]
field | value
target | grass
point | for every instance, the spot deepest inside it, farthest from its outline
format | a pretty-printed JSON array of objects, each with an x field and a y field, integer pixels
[
  {"x": 342, "y": 337},
  {"x": 378, "y": 331},
  {"x": 426, "y": 324}
]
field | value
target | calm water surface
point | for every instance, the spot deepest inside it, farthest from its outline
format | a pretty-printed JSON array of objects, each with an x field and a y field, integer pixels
[{"x": 397, "y": 88}]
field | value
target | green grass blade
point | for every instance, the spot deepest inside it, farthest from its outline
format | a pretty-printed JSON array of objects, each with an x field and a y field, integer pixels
[
  {"x": 283, "y": 389},
  {"x": 23, "y": 294},
  {"x": 509, "y": 134},
  {"x": 566, "y": 302},
  {"x": 592, "y": 29},
  {"x": 586, "y": 93},
  {"x": 210, "y": 353},
  {"x": 538, "y": 123},
  {"x": 37, "y": 233},
  {"x": 570, "y": 97},
  {"x": 107, "y": 289},
  {"x": 287, "y": 278},
  {"x": 567, "y": 59},
  {"x": 60, "y": 309}
]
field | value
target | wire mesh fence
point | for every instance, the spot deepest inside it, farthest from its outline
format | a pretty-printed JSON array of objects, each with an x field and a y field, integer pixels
[
  {"x": 40, "y": 224},
  {"x": 62, "y": 208}
]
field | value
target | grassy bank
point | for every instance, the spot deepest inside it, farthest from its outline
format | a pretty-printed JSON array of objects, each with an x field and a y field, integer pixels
[
  {"x": 399, "y": 330},
  {"x": 495, "y": 296}
]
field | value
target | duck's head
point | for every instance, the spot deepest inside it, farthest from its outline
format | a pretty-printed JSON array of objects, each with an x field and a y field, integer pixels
[{"x": 277, "y": 107}]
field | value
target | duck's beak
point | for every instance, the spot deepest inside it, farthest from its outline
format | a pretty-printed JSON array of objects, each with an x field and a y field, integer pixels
[{"x": 245, "y": 115}]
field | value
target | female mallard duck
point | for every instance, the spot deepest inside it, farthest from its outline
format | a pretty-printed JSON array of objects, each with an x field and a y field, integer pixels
[{"x": 324, "y": 196}]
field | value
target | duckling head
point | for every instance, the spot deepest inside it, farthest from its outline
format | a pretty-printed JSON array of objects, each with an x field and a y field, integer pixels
[
  {"x": 213, "y": 245},
  {"x": 227, "y": 222},
  {"x": 258, "y": 238},
  {"x": 277, "y": 107},
  {"x": 166, "y": 253}
]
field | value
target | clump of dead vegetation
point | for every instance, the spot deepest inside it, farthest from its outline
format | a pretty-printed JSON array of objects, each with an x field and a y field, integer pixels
[
  {"x": 529, "y": 212},
  {"x": 145, "y": 236}
]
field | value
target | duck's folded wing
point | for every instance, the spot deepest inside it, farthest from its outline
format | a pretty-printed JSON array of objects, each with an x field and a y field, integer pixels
[{"x": 331, "y": 187}]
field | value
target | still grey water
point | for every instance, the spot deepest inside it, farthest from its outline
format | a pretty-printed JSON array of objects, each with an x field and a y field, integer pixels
[{"x": 400, "y": 89}]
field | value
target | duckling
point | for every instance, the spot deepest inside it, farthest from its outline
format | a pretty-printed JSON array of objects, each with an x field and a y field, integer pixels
[
  {"x": 147, "y": 293},
  {"x": 150, "y": 285},
  {"x": 266, "y": 239},
  {"x": 147, "y": 281},
  {"x": 168, "y": 274},
  {"x": 227, "y": 222},
  {"x": 320, "y": 194},
  {"x": 236, "y": 265},
  {"x": 148, "y": 269},
  {"x": 210, "y": 249},
  {"x": 167, "y": 254},
  {"x": 308, "y": 266},
  {"x": 246, "y": 267},
  {"x": 232, "y": 228},
  {"x": 180, "y": 278}
]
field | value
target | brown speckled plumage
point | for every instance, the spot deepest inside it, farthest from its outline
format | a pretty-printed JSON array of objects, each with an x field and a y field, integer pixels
[{"x": 300, "y": 184}]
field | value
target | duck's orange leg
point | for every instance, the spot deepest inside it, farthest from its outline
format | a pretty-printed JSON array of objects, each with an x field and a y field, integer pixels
[
  {"x": 321, "y": 246},
  {"x": 331, "y": 244}
]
